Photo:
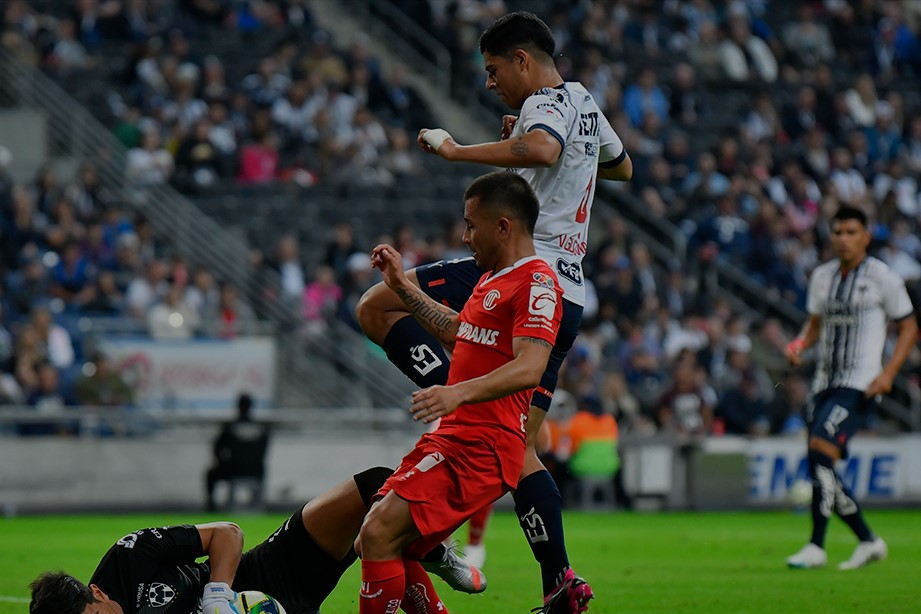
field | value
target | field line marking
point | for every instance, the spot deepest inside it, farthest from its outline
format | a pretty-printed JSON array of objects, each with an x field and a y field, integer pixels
[{"x": 9, "y": 599}]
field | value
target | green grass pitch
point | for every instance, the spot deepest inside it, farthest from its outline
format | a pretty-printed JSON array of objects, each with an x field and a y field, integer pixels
[{"x": 687, "y": 562}]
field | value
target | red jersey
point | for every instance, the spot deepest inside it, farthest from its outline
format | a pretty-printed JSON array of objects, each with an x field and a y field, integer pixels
[{"x": 523, "y": 300}]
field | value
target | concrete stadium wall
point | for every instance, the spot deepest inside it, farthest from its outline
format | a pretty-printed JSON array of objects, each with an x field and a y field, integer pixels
[{"x": 166, "y": 471}]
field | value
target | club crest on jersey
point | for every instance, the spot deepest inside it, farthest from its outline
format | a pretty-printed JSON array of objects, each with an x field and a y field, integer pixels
[
  {"x": 542, "y": 302},
  {"x": 491, "y": 300},
  {"x": 483, "y": 336},
  {"x": 159, "y": 594},
  {"x": 543, "y": 280}
]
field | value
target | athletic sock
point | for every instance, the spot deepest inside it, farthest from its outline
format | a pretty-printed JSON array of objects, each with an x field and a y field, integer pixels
[
  {"x": 539, "y": 508},
  {"x": 477, "y": 526},
  {"x": 382, "y": 586},
  {"x": 416, "y": 353},
  {"x": 420, "y": 596},
  {"x": 435, "y": 554},
  {"x": 824, "y": 485},
  {"x": 848, "y": 509}
]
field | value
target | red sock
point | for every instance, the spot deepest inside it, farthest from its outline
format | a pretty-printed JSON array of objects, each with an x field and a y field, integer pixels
[
  {"x": 477, "y": 525},
  {"x": 420, "y": 596},
  {"x": 382, "y": 586}
]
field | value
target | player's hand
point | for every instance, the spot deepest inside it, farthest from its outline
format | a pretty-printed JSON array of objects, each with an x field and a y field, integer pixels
[
  {"x": 437, "y": 142},
  {"x": 794, "y": 351},
  {"x": 508, "y": 124},
  {"x": 218, "y": 598},
  {"x": 390, "y": 263},
  {"x": 881, "y": 385},
  {"x": 434, "y": 402}
]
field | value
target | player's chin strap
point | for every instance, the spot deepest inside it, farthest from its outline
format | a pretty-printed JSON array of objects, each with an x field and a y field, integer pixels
[{"x": 219, "y": 598}]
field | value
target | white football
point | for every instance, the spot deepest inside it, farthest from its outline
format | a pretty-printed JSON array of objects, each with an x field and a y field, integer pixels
[
  {"x": 800, "y": 493},
  {"x": 257, "y": 602}
]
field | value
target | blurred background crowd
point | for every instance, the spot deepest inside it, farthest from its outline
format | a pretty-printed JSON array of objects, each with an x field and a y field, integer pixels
[{"x": 749, "y": 122}]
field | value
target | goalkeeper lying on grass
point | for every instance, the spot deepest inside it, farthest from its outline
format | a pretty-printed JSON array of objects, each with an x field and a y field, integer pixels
[{"x": 155, "y": 570}]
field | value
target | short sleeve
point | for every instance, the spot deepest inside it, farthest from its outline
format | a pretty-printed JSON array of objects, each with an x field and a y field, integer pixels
[
  {"x": 546, "y": 110},
  {"x": 538, "y": 307},
  {"x": 896, "y": 302},
  {"x": 814, "y": 304},
  {"x": 612, "y": 148},
  {"x": 174, "y": 545}
]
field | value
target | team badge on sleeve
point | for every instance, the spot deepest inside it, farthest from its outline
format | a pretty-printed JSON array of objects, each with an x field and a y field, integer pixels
[
  {"x": 542, "y": 302},
  {"x": 543, "y": 280}
]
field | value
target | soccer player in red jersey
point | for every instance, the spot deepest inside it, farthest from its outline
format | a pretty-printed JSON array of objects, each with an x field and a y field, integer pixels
[{"x": 501, "y": 341}]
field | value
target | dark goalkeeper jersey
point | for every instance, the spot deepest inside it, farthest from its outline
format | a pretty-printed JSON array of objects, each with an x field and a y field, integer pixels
[{"x": 153, "y": 571}]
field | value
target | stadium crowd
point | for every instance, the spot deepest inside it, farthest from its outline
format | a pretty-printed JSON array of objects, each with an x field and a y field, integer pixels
[{"x": 749, "y": 123}]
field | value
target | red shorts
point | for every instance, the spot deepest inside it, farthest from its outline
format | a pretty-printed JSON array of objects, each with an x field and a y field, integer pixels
[{"x": 445, "y": 484}]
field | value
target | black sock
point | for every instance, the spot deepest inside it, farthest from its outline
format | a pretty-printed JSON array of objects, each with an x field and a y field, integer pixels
[
  {"x": 416, "y": 353},
  {"x": 435, "y": 554},
  {"x": 848, "y": 509},
  {"x": 538, "y": 505},
  {"x": 824, "y": 485}
]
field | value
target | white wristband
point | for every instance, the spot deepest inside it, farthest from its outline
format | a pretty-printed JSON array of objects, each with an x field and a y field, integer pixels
[
  {"x": 215, "y": 591},
  {"x": 435, "y": 137}
]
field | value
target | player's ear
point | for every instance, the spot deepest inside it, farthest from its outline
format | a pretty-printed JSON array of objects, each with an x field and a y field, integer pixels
[
  {"x": 98, "y": 595},
  {"x": 521, "y": 58}
]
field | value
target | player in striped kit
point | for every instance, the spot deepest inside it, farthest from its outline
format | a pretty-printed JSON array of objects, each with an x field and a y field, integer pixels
[
  {"x": 850, "y": 301},
  {"x": 562, "y": 144}
]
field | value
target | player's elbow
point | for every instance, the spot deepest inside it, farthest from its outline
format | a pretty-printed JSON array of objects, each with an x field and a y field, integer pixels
[{"x": 530, "y": 377}]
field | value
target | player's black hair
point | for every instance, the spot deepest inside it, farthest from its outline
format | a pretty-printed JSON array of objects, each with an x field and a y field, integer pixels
[
  {"x": 55, "y": 592},
  {"x": 518, "y": 30},
  {"x": 850, "y": 213},
  {"x": 507, "y": 192}
]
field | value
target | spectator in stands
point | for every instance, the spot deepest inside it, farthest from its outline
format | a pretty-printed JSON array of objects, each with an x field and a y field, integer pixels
[
  {"x": 687, "y": 407},
  {"x": 72, "y": 277},
  {"x": 88, "y": 194},
  {"x": 807, "y": 40},
  {"x": 231, "y": 317},
  {"x": 321, "y": 297},
  {"x": 199, "y": 164},
  {"x": 742, "y": 410},
  {"x": 267, "y": 84},
  {"x": 686, "y": 105},
  {"x": 745, "y": 57},
  {"x": 259, "y": 159},
  {"x": 54, "y": 341},
  {"x": 861, "y": 101},
  {"x": 47, "y": 397},
  {"x": 239, "y": 452},
  {"x": 788, "y": 409},
  {"x": 594, "y": 460},
  {"x": 150, "y": 164},
  {"x": 645, "y": 96},
  {"x": 288, "y": 265},
  {"x": 101, "y": 385},
  {"x": 171, "y": 318},
  {"x": 706, "y": 53},
  {"x": 295, "y": 114},
  {"x": 144, "y": 291}
]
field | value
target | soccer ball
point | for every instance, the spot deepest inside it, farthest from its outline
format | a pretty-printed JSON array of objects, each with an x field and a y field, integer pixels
[
  {"x": 257, "y": 602},
  {"x": 800, "y": 493}
]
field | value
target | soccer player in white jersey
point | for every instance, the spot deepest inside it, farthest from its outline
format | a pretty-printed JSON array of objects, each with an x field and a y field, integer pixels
[
  {"x": 850, "y": 301},
  {"x": 562, "y": 144}
]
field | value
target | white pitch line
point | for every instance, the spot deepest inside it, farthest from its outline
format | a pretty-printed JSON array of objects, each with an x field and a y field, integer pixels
[{"x": 8, "y": 599}]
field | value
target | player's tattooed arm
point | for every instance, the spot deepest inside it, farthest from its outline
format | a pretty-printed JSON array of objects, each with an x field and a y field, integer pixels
[
  {"x": 541, "y": 342},
  {"x": 439, "y": 320},
  {"x": 519, "y": 148}
]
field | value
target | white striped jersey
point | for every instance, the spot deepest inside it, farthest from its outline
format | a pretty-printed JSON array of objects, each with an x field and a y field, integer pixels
[
  {"x": 855, "y": 311},
  {"x": 566, "y": 189}
]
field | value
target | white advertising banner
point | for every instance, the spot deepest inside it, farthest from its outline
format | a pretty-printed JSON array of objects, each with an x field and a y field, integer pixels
[
  {"x": 879, "y": 469},
  {"x": 206, "y": 373}
]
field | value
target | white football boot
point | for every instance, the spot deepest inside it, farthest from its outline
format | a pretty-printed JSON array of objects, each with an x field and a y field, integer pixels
[
  {"x": 810, "y": 556},
  {"x": 866, "y": 552}
]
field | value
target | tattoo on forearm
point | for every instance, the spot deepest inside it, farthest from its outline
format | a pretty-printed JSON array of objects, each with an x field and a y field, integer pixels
[
  {"x": 438, "y": 320},
  {"x": 537, "y": 341},
  {"x": 519, "y": 148}
]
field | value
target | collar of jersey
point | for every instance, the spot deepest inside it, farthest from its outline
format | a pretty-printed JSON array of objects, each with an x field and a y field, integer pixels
[{"x": 508, "y": 269}]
